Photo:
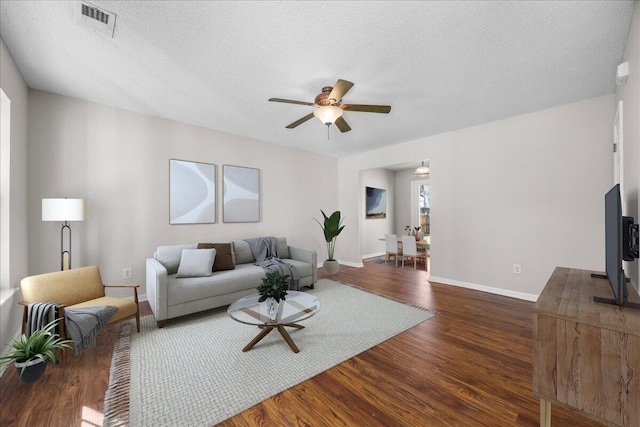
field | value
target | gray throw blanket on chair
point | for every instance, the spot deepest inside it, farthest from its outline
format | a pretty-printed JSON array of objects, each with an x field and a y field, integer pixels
[
  {"x": 39, "y": 314},
  {"x": 84, "y": 323},
  {"x": 265, "y": 251}
]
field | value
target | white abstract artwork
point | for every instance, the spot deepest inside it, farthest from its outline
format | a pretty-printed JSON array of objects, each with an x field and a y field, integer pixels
[
  {"x": 192, "y": 192},
  {"x": 241, "y": 194}
]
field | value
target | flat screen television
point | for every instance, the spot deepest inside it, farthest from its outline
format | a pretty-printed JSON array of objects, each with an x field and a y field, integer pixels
[{"x": 621, "y": 243}]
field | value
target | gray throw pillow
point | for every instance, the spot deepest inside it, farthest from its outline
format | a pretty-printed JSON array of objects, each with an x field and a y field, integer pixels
[
  {"x": 196, "y": 263},
  {"x": 283, "y": 248}
]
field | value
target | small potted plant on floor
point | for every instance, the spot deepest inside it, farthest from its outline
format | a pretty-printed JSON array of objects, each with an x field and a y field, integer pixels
[
  {"x": 332, "y": 227},
  {"x": 30, "y": 353},
  {"x": 273, "y": 288}
]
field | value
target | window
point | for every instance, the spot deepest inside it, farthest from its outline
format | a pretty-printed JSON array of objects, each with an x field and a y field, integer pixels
[
  {"x": 5, "y": 155},
  {"x": 420, "y": 205}
]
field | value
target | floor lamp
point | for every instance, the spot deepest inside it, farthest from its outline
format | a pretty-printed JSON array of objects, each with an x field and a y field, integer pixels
[{"x": 64, "y": 210}]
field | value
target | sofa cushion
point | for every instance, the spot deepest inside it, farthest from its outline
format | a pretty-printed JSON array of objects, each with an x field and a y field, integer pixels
[
  {"x": 283, "y": 249},
  {"x": 304, "y": 268},
  {"x": 63, "y": 286},
  {"x": 125, "y": 307},
  {"x": 196, "y": 263},
  {"x": 243, "y": 252},
  {"x": 245, "y": 276},
  {"x": 169, "y": 256},
  {"x": 224, "y": 258}
]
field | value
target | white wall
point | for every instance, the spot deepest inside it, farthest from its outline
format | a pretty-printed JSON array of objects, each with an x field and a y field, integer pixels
[
  {"x": 16, "y": 241},
  {"x": 524, "y": 190},
  {"x": 119, "y": 161},
  {"x": 374, "y": 229},
  {"x": 629, "y": 93},
  {"x": 404, "y": 195}
]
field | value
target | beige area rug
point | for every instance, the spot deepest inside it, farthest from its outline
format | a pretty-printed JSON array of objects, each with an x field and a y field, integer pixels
[{"x": 193, "y": 372}]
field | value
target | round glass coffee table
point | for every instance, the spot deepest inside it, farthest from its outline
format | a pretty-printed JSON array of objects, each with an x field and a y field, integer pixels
[{"x": 297, "y": 307}]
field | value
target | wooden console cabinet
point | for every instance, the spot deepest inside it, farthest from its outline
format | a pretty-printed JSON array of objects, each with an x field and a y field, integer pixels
[{"x": 586, "y": 355}]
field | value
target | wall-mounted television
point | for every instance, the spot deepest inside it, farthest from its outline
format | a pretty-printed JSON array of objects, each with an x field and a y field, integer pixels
[{"x": 621, "y": 244}]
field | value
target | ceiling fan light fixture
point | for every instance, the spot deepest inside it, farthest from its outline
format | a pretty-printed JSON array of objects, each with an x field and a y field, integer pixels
[
  {"x": 422, "y": 170},
  {"x": 328, "y": 114}
]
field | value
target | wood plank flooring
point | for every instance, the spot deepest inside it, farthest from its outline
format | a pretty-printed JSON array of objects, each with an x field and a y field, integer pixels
[{"x": 468, "y": 366}]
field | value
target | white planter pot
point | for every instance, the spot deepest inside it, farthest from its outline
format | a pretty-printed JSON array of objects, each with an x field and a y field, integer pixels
[{"x": 330, "y": 266}]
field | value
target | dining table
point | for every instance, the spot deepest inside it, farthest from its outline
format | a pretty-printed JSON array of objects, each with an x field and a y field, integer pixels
[{"x": 419, "y": 243}]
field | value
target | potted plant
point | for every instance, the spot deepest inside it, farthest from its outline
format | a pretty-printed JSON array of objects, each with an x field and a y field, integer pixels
[
  {"x": 273, "y": 288},
  {"x": 30, "y": 353},
  {"x": 332, "y": 227}
]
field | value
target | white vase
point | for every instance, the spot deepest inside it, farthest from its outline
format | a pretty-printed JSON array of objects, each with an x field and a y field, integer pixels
[
  {"x": 272, "y": 306},
  {"x": 330, "y": 266}
]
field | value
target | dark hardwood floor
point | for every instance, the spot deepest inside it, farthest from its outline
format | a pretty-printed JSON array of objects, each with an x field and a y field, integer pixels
[{"x": 468, "y": 366}]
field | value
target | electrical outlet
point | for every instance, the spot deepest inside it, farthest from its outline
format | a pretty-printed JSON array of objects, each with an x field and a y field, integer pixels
[
  {"x": 126, "y": 273},
  {"x": 517, "y": 269}
]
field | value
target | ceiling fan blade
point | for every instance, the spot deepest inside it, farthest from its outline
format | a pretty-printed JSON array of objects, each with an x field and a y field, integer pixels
[
  {"x": 341, "y": 87},
  {"x": 367, "y": 108},
  {"x": 300, "y": 121},
  {"x": 342, "y": 125},
  {"x": 290, "y": 101}
]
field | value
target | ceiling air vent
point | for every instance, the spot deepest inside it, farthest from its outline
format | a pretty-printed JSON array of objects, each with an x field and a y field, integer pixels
[{"x": 96, "y": 19}]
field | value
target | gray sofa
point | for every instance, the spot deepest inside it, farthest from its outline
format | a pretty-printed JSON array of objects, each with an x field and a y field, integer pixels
[{"x": 172, "y": 297}]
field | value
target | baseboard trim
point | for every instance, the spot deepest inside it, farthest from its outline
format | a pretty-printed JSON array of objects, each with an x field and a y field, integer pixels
[
  {"x": 373, "y": 255},
  {"x": 347, "y": 263},
  {"x": 483, "y": 288},
  {"x": 352, "y": 264}
]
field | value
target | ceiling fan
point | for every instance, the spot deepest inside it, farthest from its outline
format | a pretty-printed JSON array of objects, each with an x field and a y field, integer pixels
[{"x": 329, "y": 106}]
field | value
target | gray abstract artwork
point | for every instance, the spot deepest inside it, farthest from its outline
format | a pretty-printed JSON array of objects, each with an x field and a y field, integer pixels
[
  {"x": 376, "y": 203},
  {"x": 192, "y": 192},
  {"x": 241, "y": 194}
]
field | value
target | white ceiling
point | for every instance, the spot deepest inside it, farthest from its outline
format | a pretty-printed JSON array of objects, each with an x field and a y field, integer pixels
[{"x": 440, "y": 65}]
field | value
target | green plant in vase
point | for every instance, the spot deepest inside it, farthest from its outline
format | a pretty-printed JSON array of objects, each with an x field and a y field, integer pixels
[
  {"x": 30, "y": 353},
  {"x": 273, "y": 288},
  {"x": 331, "y": 228}
]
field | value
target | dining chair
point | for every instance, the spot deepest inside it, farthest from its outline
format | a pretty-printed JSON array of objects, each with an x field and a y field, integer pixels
[
  {"x": 410, "y": 250},
  {"x": 392, "y": 248}
]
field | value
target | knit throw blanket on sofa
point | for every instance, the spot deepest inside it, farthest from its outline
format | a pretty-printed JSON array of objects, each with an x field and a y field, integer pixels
[
  {"x": 265, "y": 251},
  {"x": 82, "y": 324}
]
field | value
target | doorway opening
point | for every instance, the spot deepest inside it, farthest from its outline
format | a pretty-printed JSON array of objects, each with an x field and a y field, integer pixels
[{"x": 421, "y": 207}]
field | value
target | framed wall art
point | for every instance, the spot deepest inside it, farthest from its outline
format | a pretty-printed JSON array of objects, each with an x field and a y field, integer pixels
[
  {"x": 192, "y": 192},
  {"x": 241, "y": 194},
  {"x": 376, "y": 204}
]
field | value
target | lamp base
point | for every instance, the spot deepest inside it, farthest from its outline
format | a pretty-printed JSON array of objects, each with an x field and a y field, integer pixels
[{"x": 66, "y": 261}]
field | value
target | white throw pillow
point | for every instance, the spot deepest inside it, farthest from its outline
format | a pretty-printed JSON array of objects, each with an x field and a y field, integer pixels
[{"x": 196, "y": 262}]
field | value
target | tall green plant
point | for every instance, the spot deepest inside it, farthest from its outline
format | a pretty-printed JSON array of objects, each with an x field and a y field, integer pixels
[{"x": 332, "y": 227}]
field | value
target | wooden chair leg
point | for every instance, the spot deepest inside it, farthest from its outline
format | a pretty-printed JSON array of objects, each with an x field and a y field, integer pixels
[
  {"x": 24, "y": 319},
  {"x": 135, "y": 298}
]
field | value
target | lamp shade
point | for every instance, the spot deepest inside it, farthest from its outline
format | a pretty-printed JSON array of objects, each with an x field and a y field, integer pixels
[
  {"x": 328, "y": 114},
  {"x": 422, "y": 170},
  {"x": 64, "y": 209}
]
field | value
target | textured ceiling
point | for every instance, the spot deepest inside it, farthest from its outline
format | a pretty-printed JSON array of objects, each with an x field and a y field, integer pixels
[{"x": 440, "y": 65}]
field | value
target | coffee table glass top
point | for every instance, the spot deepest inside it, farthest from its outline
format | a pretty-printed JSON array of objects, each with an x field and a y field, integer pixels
[{"x": 297, "y": 307}]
